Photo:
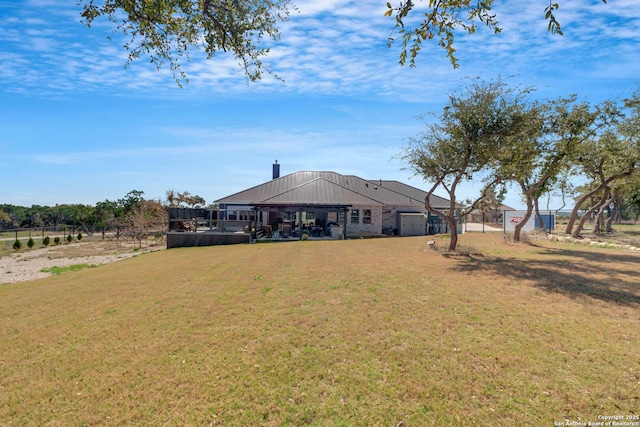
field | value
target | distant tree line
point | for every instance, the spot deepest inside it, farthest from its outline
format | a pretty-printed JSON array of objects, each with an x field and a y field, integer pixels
[{"x": 131, "y": 215}]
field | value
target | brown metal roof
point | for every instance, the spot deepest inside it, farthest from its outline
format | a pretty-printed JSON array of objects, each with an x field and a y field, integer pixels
[{"x": 330, "y": 188}]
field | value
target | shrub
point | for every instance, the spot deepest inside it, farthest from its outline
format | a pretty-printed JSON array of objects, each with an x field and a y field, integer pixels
[
  {"x": 79, "y": 237},
  {"x": 69, "y": 238},
  {"x": 46, "y": 241},
  {"x": 17, "y": 245},
  {"x": 56, "y": 240},
  {"x": 30, "y": 243}
]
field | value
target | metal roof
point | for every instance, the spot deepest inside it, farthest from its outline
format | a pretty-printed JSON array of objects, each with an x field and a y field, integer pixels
[
  {"x": 321, "y": 191},
  {"x": 331, "y": 188},
  {"x": 413, "y": 192}
]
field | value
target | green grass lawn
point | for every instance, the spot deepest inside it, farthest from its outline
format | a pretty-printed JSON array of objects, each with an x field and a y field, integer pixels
[{"x": 358, "y": 332}]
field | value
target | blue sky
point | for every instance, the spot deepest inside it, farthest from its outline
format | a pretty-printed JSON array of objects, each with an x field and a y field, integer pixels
[{"x": 78, "y": 127}]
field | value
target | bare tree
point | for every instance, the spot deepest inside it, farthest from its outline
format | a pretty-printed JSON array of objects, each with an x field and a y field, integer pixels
[{"x": 148, "y": 217}]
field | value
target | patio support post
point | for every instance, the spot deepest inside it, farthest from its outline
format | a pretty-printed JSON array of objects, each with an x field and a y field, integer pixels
[
  {"x": 344, "y": 222},
  {"x": 300, "y": 224}
]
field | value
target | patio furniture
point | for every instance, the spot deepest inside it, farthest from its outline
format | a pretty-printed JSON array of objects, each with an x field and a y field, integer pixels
[{"x": 285, "y": 230}]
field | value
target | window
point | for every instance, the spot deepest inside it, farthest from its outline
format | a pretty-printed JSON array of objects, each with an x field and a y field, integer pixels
[
  {"x": 355, "y": 216},
  {"x": 366, "y": 216}
]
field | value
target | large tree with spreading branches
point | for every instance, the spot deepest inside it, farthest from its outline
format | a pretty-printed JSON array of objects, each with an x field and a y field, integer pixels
[
  {"x": 167, "y": 31},
  {"x": 553, "y": 135},
  {"x": 443, "y": 20},
  {"x": 463, "y": 141}
]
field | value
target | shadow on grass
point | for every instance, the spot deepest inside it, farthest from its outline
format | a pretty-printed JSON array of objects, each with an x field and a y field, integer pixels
[{"x": 611, "y": 277}]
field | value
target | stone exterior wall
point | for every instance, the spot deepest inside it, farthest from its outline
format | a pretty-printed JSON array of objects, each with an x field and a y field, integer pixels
[{"x": 361, "y": 228}]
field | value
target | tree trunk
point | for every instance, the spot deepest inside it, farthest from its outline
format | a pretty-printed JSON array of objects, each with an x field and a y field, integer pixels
[
  {"x": 518, "y": 229},
  {"x": 453, "y": 234},
  {"x": 598, "y": 224},
  {"x": 604, "y": 182},
  {"x": 607, "y": 224},
  {"x": 617, "y": 209},
  {"x": 449, "y": 217},
  {"x": 590, "y": 212},
  {"x": 576, "y": 209},
  {"x": 608, "y": 227}
]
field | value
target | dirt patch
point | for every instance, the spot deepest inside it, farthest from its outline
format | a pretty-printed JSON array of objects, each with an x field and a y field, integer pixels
[{"x": 28, "y": 264}]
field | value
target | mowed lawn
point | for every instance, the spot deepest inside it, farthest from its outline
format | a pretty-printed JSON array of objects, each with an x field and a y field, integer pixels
[{"x": 375, "y": 332}]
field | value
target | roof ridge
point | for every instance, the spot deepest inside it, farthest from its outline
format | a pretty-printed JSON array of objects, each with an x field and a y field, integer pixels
[
  {"x": 321, "y": 178},
  {"x": 288, "y": 190}
]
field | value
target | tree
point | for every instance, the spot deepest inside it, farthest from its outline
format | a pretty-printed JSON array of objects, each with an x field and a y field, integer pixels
[
  {"x": 443, "y": 18},
  {"x": 462, "y": 142},
  {"x": 85, "y": 217},
  {"x": 628, "y": 207},
  {"x": 610, "y": 160},
  {"x": 4, "y": 218},
  {"x": 172, "y": 198},
  {"x": 131, "y": 201},
  {"x": 190, "y": 200},
  {"x": 34, "y": 216},
  {"x": 607, "y": 160},
  {"x": 148, "y": 216},
  {"x": 106, "y": 214},
  {"x": 184, "y": 199},
  {"x": 167, "y": 30},
  {"x": 554, "y": 131}
]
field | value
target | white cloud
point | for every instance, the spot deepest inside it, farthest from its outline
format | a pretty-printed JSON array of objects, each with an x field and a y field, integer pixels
[
  {"x": 335, "y": 63},
  {"x": 328, "y": 47}
]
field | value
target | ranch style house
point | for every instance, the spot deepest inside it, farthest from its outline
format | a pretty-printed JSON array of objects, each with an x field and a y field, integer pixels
[
  {"x": 328, "y": 204},
  {"x": 308, "y": 205}
]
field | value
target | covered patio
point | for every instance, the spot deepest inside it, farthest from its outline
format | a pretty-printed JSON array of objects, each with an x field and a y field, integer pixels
[
  {"x": 259, "y": 222},
  {"x": 276, "y": 221}
]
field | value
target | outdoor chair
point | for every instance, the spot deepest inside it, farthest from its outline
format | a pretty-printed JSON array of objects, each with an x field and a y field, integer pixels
[
  {"x": 285, "y": 230},
  {"x": 182, "y": 226}
]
